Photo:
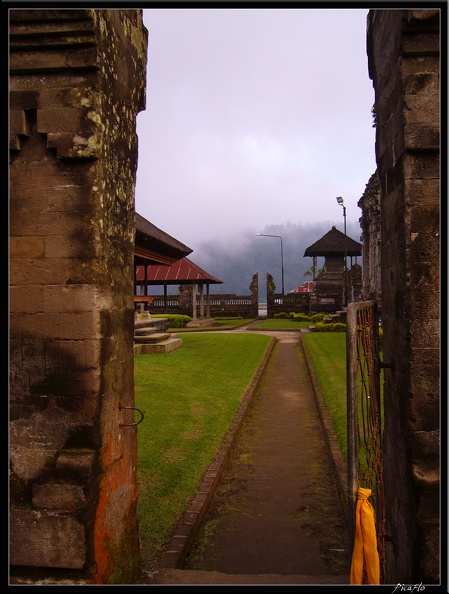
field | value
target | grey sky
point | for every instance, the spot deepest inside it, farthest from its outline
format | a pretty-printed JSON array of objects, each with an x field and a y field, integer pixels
[{"x": 254, "y": 117}]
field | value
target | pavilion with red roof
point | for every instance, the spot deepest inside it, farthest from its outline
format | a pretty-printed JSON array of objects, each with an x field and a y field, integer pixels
[{"x": 181, "y": 272}]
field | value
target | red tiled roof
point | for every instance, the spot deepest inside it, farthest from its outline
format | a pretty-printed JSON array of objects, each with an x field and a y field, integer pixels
[
  {"x": 306, "y": 287},
  {"x": 181, "y": 272}
]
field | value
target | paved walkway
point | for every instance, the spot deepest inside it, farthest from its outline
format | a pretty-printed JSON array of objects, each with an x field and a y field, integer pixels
[{"x": 276, "y": 515}]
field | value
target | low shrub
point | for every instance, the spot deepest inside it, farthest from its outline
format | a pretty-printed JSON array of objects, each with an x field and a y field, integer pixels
[
  {"x": 318, "y": 317},
  {"x": 281, "y": 315},
  {"x": 176, "y": 320},
  {"x": 226, "y": 318},
  {"x": 300, "y": 317},
  {"x": 330, "y": 327}
]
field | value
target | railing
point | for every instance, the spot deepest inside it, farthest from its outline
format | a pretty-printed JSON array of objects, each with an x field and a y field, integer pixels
[
  {"x": 219, "y": 305},
  {"x": 295, "y": 302},
  {"x": 364, "y": 414}
]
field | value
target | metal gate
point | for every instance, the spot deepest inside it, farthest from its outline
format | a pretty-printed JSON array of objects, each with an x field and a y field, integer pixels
[{"x": 365, "y": 416}]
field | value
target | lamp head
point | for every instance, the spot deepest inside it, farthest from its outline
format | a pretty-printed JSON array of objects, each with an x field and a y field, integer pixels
[{"x": 339, "y": 200}]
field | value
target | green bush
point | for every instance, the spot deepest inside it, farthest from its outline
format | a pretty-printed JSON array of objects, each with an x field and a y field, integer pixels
[
  {"x": 330, "y": 327},
  {"x": 281, "y": 315},
  {"x": 318, "y": 317},
  {"x": 226, "y": 318},
  {"x": 300, "y": 317},
  {"x": 176, "y": 320}
]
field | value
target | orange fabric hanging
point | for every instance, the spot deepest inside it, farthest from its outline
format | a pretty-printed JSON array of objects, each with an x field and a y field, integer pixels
[{"x": 365, "y": 555}]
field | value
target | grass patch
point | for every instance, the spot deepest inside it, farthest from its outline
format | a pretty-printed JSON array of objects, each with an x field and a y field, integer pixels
[
  {"x": 327, "y": 353},
  {"x": 189, "y": 398}
]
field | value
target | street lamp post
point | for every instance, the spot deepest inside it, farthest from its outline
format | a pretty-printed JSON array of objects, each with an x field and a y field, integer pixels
[
  {"x": 282, "y": 256},
  {"x": 340, "y": 202}
]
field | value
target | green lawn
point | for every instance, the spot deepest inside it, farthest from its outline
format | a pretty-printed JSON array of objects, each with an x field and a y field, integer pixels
[
  {"x": 327, "y": 353},
  {"x": 281, "y": 324}
]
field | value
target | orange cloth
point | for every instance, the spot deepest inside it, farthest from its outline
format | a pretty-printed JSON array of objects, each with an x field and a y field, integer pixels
[{"x": 365, "y": 555}]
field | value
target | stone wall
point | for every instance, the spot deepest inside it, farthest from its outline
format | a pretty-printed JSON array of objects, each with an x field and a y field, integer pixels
[
  {"x": 403, "y": 53},
  {"x": 371, "y": 242},
  {"x": 77, "y": 82},
  {"x": 292, "y": 302}
]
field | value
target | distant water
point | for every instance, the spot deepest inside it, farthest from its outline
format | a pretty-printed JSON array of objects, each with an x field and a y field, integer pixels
[{"x": 262, "y": 309}]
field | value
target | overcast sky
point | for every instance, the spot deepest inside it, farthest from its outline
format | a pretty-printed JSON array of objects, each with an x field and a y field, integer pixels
[{"x": 253, "y": 117}]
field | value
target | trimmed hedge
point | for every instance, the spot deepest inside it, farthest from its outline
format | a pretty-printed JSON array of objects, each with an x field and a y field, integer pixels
[
  {"x": 332, "y": 327},
  {"x": 227, "y": 318},
  {"x": 176, "y": 320},
  {"x": 318, "y": 317}
]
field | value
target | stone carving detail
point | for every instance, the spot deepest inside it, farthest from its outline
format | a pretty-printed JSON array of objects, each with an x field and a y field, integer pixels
[{"x": 61, "y": 47}]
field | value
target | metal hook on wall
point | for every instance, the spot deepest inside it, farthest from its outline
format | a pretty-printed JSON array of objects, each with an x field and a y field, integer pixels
[{"x": 131, "y": 408}]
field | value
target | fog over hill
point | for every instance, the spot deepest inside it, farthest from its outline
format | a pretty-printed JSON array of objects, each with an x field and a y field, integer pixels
[{"x": 236, "y": 260}]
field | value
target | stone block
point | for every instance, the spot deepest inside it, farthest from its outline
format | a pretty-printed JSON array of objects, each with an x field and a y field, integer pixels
[
  {"x": 58, "y": 496},
  {"x": 426, "y": 450},
  {"x": 429, "y": 507},
  {"x": 57, "y": 326},
  {"x": 430, "y": 553},
  {"x": 26, "y": 300},
  {"x": 424, "y": 43},
  {"x": 425, "y": 192},
  {"x": 17, "y": 123},
  {"x": 424, "y": 412},
  {"x": 420, "y": 109},
  {"x": 63, "y": 119},
  {"x": 417, "y": 65},
  {"x": 419, "y": 16},
  {"x": 38, "y": 61},
  {"x": 75, "y": 298},
  {"x": 427, "y": 335},
  {"x": 45, "y": 539},
  {"x": 49, "y": 271},
  {"x": 422, "y": 166},
  {"x": 422, "y": 137},
  {"x": 77, "y": 461},
  {"x": 26, "y": 247}
]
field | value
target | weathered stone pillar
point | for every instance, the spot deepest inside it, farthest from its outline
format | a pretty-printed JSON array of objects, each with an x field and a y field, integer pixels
[
  {"x": 271, "y": 287},
  {"x": 371, "y": 244},
  {"x": 194, "y": 317},
  {"x": 77, "y": 82},
  {"x": 201, "y": 289},
  {"x": 404, "y": 64},
  {"x": 254, "y": 288},
  {"x": 207, "y": 302}
]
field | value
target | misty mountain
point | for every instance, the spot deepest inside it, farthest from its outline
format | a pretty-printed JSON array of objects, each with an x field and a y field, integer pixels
[{"x": 235, "y": 261}]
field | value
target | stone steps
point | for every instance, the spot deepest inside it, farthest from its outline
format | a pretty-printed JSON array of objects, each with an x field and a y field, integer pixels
[
  {"x": 151, "y": 337},
  {"x": 145, "y": 331},
  {"x": 165, "y": 346}
]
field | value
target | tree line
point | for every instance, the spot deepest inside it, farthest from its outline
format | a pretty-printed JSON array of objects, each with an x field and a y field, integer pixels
[{"x": 236, "y": 262}]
